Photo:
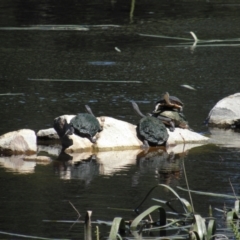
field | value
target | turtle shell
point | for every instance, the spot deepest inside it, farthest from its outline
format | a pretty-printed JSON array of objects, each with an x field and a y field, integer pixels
[
  {"x": 153, "y": 130},
  {"x": 173, "y": 99},
  {"x": 86, "y": 124},
  {"x": 178, "y": 118}
]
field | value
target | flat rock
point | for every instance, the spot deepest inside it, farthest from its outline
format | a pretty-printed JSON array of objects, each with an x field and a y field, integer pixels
[
  {"x": 226, "y": 113},
  {"x": 49, "y": 133},
  {"x": 185, "y": 136},
  {"x": 117, "y": 135},
  {"x": 18, "y": 142}
]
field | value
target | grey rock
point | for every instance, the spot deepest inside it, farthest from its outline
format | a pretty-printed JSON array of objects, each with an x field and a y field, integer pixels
[
  {"x": 49, "y": 133},
  {"x": 226, "y": 113},
  {"x": 18, "y": 142}
]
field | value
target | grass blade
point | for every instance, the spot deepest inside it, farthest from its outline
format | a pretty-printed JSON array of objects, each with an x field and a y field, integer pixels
[
  {"x": 139, "y": 218},
  {"x": 200, "y": 227},
  {"x": 211, "y": 229},
  {"x": 118, "y": 225}
]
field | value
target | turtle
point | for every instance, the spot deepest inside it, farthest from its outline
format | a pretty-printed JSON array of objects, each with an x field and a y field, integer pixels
[
  {"x": 175, "y": 119},
  {"x": 151, "y": 130},
  {"x": 85, "y": 125},
  {"x": 168, "y": 102},
  {"x": 170, "y": 107}
]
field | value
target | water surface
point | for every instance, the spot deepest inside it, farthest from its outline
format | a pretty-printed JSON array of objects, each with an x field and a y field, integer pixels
[{"x": 57, "y": 57}]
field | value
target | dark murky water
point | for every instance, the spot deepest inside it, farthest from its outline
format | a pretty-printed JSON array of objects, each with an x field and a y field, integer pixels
[{"x": 80, "y": 43}]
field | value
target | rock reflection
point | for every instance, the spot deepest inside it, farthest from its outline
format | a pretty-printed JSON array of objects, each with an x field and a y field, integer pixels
[
  {"x": 27, "y": 164},
  {"x": 17, "y": 164},
  {"x": 115, "y": 161},
  {"x": 225, "y": 137},
  {"x": 86, "y": 166}
]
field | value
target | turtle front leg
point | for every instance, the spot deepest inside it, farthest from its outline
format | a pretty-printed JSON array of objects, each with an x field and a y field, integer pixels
[
  {"x": 93, "y": 140},
  {"x": 69, "y": 131},
  {"x": 145, "y": 144},
  {"x": 167, "y": 121},
  {"x": 172, "y": 126}
]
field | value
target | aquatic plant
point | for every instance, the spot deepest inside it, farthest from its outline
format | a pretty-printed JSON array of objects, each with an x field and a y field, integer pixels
[{"x": 185, "y": 225}]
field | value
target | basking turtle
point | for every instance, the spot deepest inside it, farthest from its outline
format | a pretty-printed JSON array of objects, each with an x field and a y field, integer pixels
[
  {"x": 85, "y": 125},
  {"x": 170, "y": 107},
  {"x": 151, "y": 130},
  {"x": 168, "y": 102},
  {"x": 175, "y": 119}
]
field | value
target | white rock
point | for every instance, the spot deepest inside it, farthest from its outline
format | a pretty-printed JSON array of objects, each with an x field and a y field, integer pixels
[
  {"x": 226, "y": 112},
  {"x": 49, "y": 133},
  {"x": 116, "y": 135},
  {"x": 17, "y": 142},
  {"x": 185, "y": 136}
]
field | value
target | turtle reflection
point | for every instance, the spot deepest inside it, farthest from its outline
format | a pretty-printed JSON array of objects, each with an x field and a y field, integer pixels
[
  {"x": 167, "y": 168},
  {"x": 86, "y": 169}
]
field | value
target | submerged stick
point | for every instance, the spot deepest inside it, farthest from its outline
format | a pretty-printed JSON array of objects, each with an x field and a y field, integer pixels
[
  {"x": 79, "y": 215},
  {"x": 209, "y": 194},
  {"x": 76, "y": 80},
  {"x": 190, "y": 196},
  {"x": 194, "y": 36},
  {"x": 29, "y": 236},
  {"x": 233, "y": 189},
  {"x": 10, "y": 94}
]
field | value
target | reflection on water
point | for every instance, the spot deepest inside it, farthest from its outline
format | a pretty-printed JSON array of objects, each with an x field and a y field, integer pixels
[
  {"x": 87, "y": 166},
  {"x": 86, "y": 169},
  {"x": 166, "y": 167},
  {"x": 80, "y": 165},
  {"x": 16, "y": 164},
  {"x": 229, "y": 138}
]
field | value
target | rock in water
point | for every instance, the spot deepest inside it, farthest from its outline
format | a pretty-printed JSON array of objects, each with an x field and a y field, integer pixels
[
  {"x": 226, "y": 113},
  {"x": 18, "y": 142}
]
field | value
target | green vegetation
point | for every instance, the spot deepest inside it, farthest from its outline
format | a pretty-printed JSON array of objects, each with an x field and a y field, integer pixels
[{"x": 184, "y": 225}]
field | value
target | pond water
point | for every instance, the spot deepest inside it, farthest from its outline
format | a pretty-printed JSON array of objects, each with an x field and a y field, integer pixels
[{"x": 57, "y": 56}]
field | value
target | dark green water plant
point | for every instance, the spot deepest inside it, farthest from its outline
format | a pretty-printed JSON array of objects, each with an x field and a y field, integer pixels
[{"x": 184, "y": 225}]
